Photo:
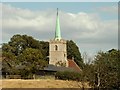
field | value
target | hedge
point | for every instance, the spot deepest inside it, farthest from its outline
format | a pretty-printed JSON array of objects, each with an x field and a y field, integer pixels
[{"x": 67, "y": 75}]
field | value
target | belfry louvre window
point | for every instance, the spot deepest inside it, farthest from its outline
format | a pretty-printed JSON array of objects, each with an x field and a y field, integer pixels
[
  {"x": 64, "y": 55},
  {"x": 56, "y": 47}
]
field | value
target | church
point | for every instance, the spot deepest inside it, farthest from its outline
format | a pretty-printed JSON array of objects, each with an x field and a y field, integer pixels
[{"x": 58, "y": 53}]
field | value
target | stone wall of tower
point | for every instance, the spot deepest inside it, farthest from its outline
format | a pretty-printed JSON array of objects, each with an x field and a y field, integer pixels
[{"x": 58, "y": 53}]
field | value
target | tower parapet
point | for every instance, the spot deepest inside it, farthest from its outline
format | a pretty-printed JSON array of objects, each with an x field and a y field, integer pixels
[{"x": 58, "y": 41}]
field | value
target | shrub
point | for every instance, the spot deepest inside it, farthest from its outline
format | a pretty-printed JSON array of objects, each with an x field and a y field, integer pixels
[{"x": 67, "y": 75}]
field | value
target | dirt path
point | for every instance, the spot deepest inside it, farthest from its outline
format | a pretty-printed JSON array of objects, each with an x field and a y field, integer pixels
[{"x": 41, "y": 83}]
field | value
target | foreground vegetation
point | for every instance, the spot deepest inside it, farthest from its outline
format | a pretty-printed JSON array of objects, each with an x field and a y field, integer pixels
[{"x": 104, "y": 72}]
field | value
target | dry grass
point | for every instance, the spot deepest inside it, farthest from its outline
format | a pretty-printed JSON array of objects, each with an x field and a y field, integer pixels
[{"x": 41, "y": 83}]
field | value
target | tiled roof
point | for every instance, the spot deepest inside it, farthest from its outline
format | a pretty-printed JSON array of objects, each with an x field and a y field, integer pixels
[
  {"x": 72, "y": 64},
  {"x": 57, "y": 68}
]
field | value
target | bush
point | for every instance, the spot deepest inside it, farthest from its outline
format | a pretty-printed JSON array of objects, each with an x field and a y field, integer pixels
[{"x": 67, "y": 75}]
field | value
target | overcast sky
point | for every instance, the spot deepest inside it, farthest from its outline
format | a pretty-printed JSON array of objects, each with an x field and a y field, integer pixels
[{"x": 93, "y": 26}]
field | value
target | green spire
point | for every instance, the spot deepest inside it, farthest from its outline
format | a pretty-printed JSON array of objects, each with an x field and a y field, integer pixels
[{"x": 57, "y": 30}]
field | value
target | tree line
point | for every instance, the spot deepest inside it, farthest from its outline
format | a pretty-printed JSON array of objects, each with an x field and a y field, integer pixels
[{"x": 25, "y": 55}]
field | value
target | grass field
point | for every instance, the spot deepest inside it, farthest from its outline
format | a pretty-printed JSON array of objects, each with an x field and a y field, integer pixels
[{"x": 41, "y": 83}]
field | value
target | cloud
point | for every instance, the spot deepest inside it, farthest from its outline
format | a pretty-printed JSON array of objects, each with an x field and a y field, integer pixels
[
  {"x": 24, "y": 18},
  {"x": 89, "y": 31}
]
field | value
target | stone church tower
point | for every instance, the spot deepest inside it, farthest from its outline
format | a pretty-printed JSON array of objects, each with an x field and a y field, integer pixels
[{"x": 57, "y": 48}]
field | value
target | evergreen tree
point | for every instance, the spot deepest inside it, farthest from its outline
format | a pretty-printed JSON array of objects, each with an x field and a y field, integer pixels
[{"x": 73, "y": 52}]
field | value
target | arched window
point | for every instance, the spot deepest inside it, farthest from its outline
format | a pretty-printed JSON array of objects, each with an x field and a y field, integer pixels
[{"x": 56, "y": 47}]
